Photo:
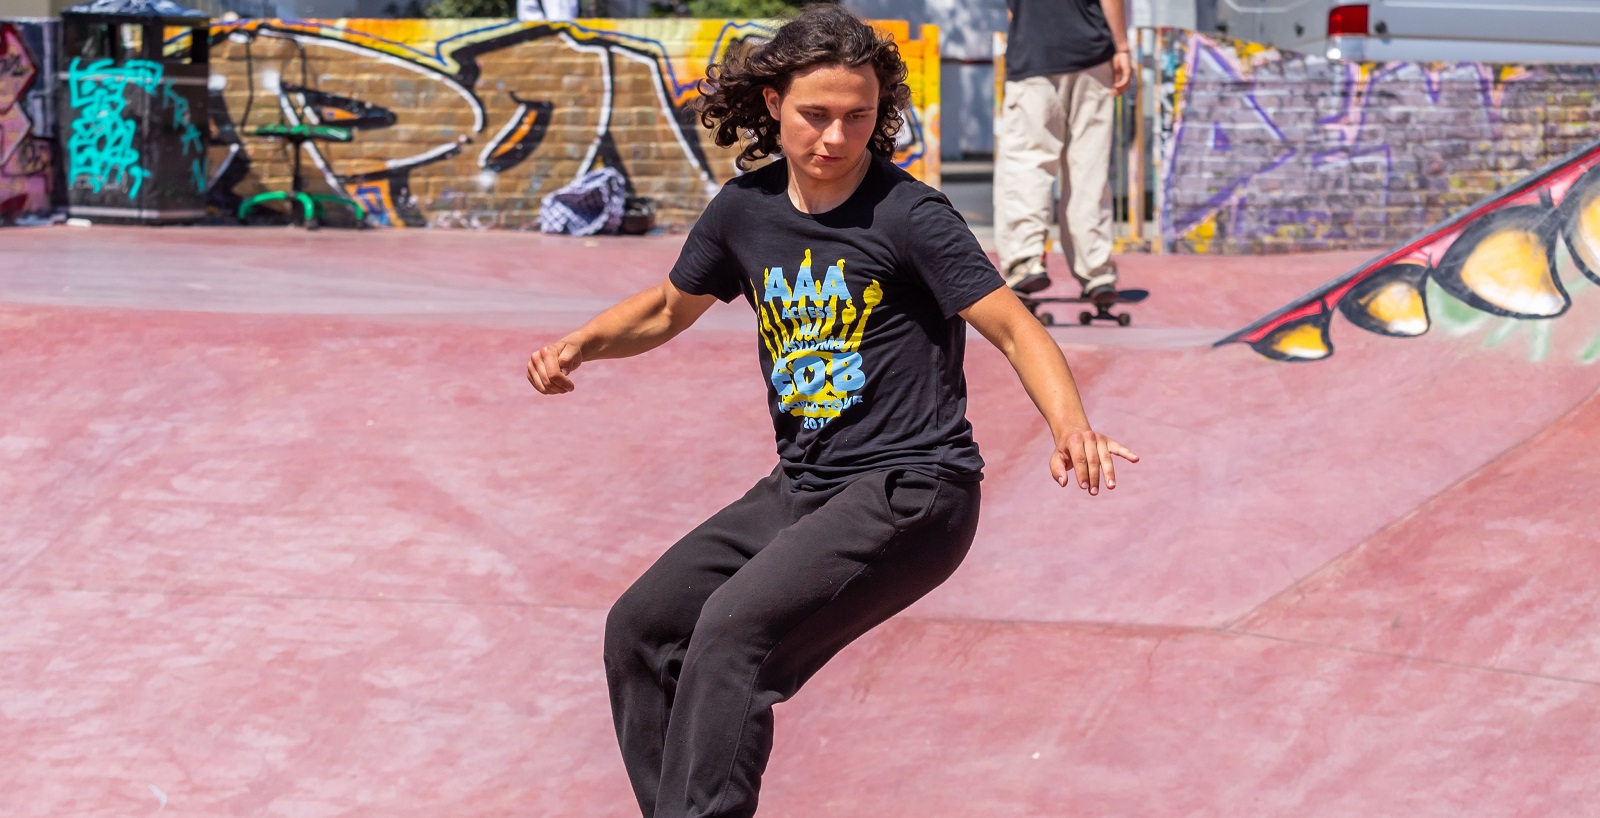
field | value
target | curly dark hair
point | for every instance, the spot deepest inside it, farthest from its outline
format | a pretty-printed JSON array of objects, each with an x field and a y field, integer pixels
[{"x": 731, "y": 103}]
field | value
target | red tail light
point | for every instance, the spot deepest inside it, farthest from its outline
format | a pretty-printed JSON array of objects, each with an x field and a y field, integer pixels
[{"x": 1347, "y": 20}]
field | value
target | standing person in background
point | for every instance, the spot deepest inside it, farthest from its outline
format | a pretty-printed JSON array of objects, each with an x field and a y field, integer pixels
[{"x": 1066, "y": 61}]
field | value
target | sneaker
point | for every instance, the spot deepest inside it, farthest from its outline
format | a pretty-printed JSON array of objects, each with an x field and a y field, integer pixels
[
  {"x": 1100, "y": 292},
  {"x": 1102, "y": 286},
  {"x": 1035, "y": 280}
]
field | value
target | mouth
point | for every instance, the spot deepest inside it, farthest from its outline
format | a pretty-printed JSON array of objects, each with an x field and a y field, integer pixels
[{"x": 826, "y": 160}]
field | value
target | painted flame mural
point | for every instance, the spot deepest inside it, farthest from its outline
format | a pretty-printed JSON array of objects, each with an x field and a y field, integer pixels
[{"x": 1499, "y": 257}]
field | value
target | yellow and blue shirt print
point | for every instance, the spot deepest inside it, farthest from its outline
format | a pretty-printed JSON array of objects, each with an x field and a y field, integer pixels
[
  {"x": 859, "y": 332},
  {"x": 812, "y": 329}
]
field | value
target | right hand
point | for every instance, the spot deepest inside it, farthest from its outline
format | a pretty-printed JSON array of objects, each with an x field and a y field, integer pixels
[{"x": 549, "y": 367}]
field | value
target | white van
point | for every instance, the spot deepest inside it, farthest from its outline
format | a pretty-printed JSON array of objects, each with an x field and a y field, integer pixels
[{"x": 1510, "y": 31}]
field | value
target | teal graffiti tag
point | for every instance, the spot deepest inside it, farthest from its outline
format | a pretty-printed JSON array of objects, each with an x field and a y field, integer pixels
[
  {"x": 184, "y": 124},
  {"x": 101, "y": 150},
  {"x": 181, "y": 121}
]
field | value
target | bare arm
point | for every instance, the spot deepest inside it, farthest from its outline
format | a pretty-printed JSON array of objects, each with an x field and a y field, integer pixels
[
  {"x": 1002, "y": 319},
  {"x": 1117, "y": 19},
  {"x": 1121, "y": 62},
  {"x": 636, "y": 325}
]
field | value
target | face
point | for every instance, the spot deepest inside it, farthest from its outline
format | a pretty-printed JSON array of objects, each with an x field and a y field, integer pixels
[{"x": 825, "y": 119}]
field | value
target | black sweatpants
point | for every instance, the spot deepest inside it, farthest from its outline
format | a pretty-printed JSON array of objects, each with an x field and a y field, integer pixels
[{"x": 737, "y": 615}]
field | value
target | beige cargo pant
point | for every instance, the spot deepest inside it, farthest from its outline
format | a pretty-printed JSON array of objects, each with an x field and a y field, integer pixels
[{"x": 1047, "y": 123}]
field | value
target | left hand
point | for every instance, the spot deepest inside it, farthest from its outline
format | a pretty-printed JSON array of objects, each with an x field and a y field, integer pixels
[
  {"x": 1088, "y": 454},
  {"x": 1121, "y": 72},
  {"x": 549, "y": 368}
]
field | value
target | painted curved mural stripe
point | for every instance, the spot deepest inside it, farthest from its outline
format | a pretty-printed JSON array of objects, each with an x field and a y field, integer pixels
[
  {"x": 1499, "y": 257},
  {"x": 471, "y": 122}
]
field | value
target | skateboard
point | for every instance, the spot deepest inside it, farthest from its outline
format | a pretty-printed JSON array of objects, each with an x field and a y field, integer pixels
[{"x": 1102, "y": 306}]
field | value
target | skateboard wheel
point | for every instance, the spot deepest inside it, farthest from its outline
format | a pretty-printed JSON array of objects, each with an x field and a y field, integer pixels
[
  {"x": 1085, "y": 317},
  {"x": 1124, "y": 319},
  {"x": 1047, "y": 319}
]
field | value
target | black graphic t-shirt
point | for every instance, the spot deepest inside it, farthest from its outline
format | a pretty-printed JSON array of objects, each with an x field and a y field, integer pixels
[{"x": 857, "y": 314}]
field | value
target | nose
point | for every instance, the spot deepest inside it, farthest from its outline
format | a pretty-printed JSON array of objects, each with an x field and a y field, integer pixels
[{"x": 834, "y": 134}]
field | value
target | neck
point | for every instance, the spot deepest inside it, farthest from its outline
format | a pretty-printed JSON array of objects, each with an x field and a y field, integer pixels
[{"x": 812, "y": 196}]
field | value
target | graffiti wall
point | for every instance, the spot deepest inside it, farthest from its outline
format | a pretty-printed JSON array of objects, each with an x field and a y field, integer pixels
[
  {"x": 28, "y": 168},
  {"x": 469, "y": 123},
  {"x": 1269, "y": 151}
]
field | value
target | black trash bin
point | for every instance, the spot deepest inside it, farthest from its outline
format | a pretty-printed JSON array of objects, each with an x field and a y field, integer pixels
[{"x": 133, "y": 111}]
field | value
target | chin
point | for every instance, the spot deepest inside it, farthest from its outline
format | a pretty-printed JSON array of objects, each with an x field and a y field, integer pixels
[{"x": 830, "y": 170}]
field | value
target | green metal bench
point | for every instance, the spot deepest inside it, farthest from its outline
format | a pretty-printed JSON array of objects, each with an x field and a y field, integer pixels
[{"x": 311, "y": 204}]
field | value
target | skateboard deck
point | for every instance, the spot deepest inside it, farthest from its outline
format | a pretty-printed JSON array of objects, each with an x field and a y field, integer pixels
[{"x": 1102, "y": 306}]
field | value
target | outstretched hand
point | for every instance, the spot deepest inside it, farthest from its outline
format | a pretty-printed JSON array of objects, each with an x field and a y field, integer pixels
[
  {"x": 1088, "y": 456},
  {"x": 549, "y": 367}
]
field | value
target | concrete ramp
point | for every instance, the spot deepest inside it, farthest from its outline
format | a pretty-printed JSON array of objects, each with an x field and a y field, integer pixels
[{"x": 284, "y": 532}]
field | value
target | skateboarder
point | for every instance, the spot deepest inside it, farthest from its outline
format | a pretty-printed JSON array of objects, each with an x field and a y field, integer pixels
[{"x": 864, "y": 281}]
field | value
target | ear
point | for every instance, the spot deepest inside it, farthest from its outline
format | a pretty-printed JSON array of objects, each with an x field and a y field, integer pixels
[{"x": 774, "y": 100}]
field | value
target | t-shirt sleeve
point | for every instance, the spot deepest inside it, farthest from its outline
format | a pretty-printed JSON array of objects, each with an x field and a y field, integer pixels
[
  {"x": 704, "y": 265},
  {"x": 941, "y": 250}
]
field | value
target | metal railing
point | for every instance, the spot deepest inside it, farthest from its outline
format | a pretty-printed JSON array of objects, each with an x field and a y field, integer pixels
[{"x": 1133, "y": 152}]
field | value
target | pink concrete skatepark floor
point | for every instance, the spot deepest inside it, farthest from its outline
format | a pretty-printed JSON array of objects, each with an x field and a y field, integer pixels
[{"x": 284, "y": 532}]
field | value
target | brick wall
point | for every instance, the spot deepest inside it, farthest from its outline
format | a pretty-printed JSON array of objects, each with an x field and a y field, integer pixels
[
  {"x": 468, "y": 123},
  {"x": 1267, "y": 151}
]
